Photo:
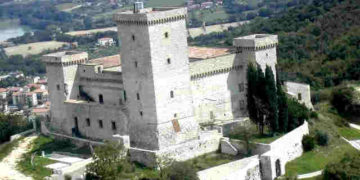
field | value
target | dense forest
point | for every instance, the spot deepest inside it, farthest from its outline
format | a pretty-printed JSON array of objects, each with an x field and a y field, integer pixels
[{"x": 319, "y": 43}]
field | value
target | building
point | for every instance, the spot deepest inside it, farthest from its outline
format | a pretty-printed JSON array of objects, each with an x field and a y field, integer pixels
[
  {"x": 161, "y": 92},
  {"x": 106, "y": 41},
  {"x": 3, "y": 100},
  {"x": 24, "y": 99}
]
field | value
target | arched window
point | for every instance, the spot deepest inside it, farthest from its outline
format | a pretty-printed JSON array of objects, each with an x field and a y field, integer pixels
[
  {"x": 101, "y": 99},
  {"x": 168, "y": 60},
  {"x": 172, "y": 94},
  {"x": 166, "y": 34},
  {"x": 133, "y": 37}
]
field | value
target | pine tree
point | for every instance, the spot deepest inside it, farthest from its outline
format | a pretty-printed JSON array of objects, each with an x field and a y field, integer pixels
[{"x": 271, "y": 99}]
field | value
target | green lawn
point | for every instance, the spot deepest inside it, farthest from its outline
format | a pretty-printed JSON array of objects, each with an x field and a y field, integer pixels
[
  {"x": 349, "y": 133},
  {"x": 6, "y": 148},
  {"x": 212, "y": 159}
]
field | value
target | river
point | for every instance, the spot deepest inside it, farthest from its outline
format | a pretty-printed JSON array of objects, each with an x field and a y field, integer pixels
[{"x": 11, "y": 29}]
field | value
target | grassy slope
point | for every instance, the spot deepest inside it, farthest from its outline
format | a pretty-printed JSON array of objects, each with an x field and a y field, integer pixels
[
  {"x": 318, "y": 158},
  {"x": 47, "y": 144},
  {"x": 6, "y": 148}
]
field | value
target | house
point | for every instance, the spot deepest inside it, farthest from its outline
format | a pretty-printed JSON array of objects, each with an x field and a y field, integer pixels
[{"x": 106, "y": 41}]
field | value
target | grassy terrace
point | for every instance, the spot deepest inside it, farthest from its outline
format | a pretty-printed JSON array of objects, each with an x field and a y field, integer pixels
[
  {"x": 49, "y": 145},
  {"x": 211, "y": 160},
  {"x": 320, "y": 156}
]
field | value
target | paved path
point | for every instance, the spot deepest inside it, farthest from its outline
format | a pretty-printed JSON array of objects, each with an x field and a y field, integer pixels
[
  {"x": 355, "y": 126},
  {"x": 309, "y": 175},
  {"x": 8, "y": 164}
]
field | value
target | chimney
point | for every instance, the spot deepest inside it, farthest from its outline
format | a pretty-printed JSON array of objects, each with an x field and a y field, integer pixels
[{"x": 138, "y": 6}]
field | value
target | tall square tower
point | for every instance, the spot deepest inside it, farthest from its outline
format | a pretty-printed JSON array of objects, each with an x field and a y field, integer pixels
[{"x": 156, "y": 77}]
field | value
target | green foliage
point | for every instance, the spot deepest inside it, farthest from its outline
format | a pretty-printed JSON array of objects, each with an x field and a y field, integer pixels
[
  {"x": 347, "y": 168},
  {"x": 342, "y": 100},
  {"x": 109, "y": 162},
  {"x": 271, "y": 99},
  {"x": 308, "y": 142},
  {"x": 322, "y": 138},
  {"x": 244, "y": 132},
  {"x": 298, "y": 113},
  {"x": 12, "y": 124},
  {"x": 181, "y": 171},
  {"x": 6, "y": 148}
]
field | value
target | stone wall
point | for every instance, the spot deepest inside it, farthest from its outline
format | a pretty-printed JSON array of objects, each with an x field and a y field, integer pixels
[
  {"x": 283, "y": 150},
  {"x": 301, "y": 92},
  {"x": 239, "y": 145},
  {"x": 247, "y": 168}
]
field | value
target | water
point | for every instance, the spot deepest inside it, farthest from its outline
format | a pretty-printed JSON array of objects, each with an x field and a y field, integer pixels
[{"x": 11, "y": 29}]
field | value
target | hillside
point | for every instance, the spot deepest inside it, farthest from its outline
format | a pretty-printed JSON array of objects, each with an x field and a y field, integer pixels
[{"x": 319, "y": 43}]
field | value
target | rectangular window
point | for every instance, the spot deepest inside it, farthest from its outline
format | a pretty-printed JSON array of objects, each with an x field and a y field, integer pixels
[
  {"x": 58, "y": 87},
  {"x": 88, "y": 121},
  {"x": 113, "y": 125},
  {"x": 100, "y": 124},
  {"x": 299, "y": 97},
  {"x": 125, "y": 96},
  {"x": 141, "y": 113},
  {"x": 137, "y": 96}
]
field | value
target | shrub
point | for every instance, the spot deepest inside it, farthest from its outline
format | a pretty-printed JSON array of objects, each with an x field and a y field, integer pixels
[
  {"x": 322, "y": 138},
  {"x": 181, "y": 171},
  {"x": 314, "y": 115},
  {"x": 347, "y": 168},
  {"x": 308, "y": 142}
]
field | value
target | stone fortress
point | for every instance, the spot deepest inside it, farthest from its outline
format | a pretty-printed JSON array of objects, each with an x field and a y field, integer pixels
[{"x": 160, "y": 93}]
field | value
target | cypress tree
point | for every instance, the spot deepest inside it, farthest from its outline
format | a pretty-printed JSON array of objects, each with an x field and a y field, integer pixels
[
  {"x": 282, "y": 105},
  {"x": 271, "y": 99},
  {"x": 251, "y": 93}
]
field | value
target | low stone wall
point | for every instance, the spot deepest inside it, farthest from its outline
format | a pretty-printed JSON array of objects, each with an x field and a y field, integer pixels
[
  {"x": 283, "y": 150},
  {"x": 208, "y": 141},
  {"x": 247, "y": 168},
  {"x": 17, "y": 136}
]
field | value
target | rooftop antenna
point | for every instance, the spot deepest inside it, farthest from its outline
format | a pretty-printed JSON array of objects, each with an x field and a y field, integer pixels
[{"x": 138, "y": 5}]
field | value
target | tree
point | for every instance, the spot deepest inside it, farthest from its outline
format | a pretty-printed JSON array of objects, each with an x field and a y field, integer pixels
[
  {"x": 244, "y": 132},
  {"x": 342, "y": 98},
  {"x": 109, "y": 162},
  {"x": 347, "y": 168},
  {"x": 271, "y": 99},
  {"x": 181, "y": 171},
  {"x": 282, "y": 106}
]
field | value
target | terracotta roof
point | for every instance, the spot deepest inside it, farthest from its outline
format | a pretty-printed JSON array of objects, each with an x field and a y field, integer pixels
[
  {"x": 105, "y": 38},
  {"x": 2, "y": 90},
  {"x": 108, "y": 61},
  {"x": 40, "y": 90},
  {"x": 14, "y": 89},
  {"x": 40, "y": 110},
  {"x": 34, "y": 85},
  {"x": 206, "y": 52},
  {"x": 42, "y": 81}
]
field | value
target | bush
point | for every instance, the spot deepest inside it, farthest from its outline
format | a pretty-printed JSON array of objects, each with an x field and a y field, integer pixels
[
  {"x": 322, "y": 138},
  {"x": 308, "y": 142},
  {"x": 314, "y": 115},
  {"x": 347, "y": 168},
  {"x": 181, "y": 171}
]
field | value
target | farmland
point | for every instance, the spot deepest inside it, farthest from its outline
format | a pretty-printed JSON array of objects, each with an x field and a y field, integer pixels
[{"x": 33, "y": 48}]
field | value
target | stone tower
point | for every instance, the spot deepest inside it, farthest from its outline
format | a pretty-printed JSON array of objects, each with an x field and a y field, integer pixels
[
  {"x": 259, "y": 48},
  {"x": 61, "y": 70},
  {"x": 156, "y": 77}
]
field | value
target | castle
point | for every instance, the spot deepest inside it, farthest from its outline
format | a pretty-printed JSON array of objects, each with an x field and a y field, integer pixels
[{"x": 159, "y": 91}]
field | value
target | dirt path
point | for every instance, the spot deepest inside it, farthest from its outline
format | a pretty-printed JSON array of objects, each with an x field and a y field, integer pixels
[{"x": 8, "y": 165}]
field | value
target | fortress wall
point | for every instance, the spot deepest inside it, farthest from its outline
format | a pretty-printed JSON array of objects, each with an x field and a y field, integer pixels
[
  {"x": 95, "y": 112},
  {"x": 217, "y": 95}
]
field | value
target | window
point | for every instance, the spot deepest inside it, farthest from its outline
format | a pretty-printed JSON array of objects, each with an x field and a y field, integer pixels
[
  {"x": 101, "y": 99},
  {"x": 172, "y": 94},
  {"x": 137, "y": 96},
  {"x": 168, "y": 60},
  {"x": 58, "y": 87},
  {"x": 299, "y": 96},
  {"x": 113, "y": 125},
  {"x": 99, "y": 69},
  {"x": 100, "y": 124},
  {"x": 141, "y": 113},
  {"x": 175, "y": 115},
  {"x": 125, "y": 96},
  {"x": 267, "y": 55},
  {"x": 76, "y": 122},
  {"x": 136, "y": 64},
  {"x": 88, "y": 122},
  {"x": 166, "y": 34},
  {"x": 133, "y": 37},
  {"x": 241, "y": 87}
]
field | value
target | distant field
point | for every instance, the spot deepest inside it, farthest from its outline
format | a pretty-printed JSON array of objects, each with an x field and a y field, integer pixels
[
  {"x": 162, "y": 3},
  {"x": 33, "y": 48},
  {"x": 91, "y": 31},
  {"x": 67, "y": 7}
]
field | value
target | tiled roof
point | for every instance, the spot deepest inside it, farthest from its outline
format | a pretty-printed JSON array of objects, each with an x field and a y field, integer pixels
[
  {"x": 108, "y": 61},
  {"x": 40, "y": 90},
  {"x": 40, "y": 110},
  {"x": 206, "y": 52},
  {"x": 2, "y": 90},
  {"x": 105, "y": 39}
]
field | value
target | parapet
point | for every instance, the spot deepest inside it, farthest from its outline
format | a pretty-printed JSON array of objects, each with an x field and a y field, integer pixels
[
  {"x": 256, "y": 41},
  {"x": 150, "y": 16},
  {"x": 65, "y": 58}
]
